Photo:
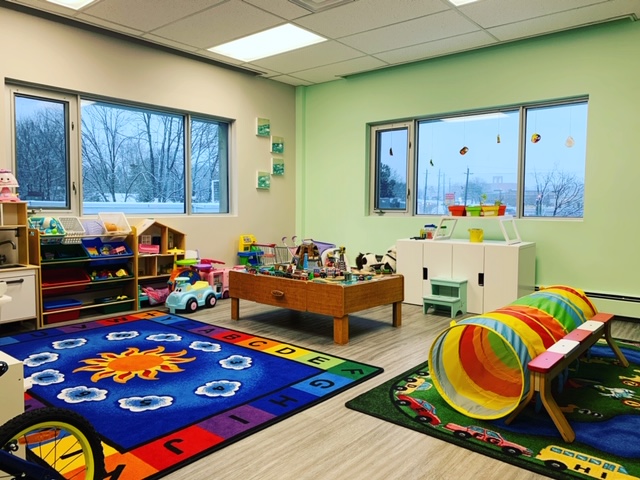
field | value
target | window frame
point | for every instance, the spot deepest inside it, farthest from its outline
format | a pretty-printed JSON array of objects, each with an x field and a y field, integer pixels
[
  {"x": 412, "y": 156},
  {"x": 73, "y": 133},
  {"x": 374, "y": 131}
]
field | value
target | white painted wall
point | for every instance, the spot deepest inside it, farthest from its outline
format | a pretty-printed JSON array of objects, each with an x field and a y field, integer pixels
[{"x": 49, "y": 54}]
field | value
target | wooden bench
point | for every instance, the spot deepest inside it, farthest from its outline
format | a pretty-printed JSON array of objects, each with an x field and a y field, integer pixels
[
  {"x": 447, "y": 292},
  {"x": 557, "y": 358}
]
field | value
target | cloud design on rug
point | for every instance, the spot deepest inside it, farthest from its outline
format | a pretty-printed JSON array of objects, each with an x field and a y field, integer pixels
[
  {"x": 236, "y": 362},
  {"x": 46, "y": 377},
  {"x": 82, "y": 393},
  {"x": 164, "y": 337},
  {"x": 205, "y": 346},
  {"x": 143, "y": 404},
  {"x": 122, "y": 335},
  {"x": 69, "y": 343},
  {"x": 219, "y": 388},
  {"x": 37, "y": 359}
]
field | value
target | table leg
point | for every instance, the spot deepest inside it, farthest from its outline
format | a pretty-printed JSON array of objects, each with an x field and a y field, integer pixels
[
  {"x": 341, "y": 330},
  {"x": 614, "y": 346},
  {"x": 523, "y": 403},
  {"x": 553, "y": 409},
  {"x": 235, "y": 308},
  {"x": 397, "y": 314}
]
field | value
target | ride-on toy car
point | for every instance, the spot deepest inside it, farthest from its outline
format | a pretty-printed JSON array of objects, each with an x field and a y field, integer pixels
[{"x": 189, "y": 297}]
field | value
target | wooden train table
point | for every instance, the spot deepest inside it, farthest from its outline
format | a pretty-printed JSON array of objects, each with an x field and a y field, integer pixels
[{"x": 335, "y": 299}]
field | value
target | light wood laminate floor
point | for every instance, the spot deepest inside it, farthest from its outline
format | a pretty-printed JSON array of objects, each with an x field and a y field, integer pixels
[{"x": 330, "y": 441}]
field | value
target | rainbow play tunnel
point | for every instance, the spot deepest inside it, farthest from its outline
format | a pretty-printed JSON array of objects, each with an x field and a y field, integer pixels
[{"x": 479, "y": 365}]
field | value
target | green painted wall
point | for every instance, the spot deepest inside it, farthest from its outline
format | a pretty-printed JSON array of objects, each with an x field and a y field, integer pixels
[{"x": 598, "y": 253}]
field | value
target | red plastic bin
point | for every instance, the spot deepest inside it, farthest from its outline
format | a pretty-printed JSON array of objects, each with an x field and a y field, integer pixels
[
  {"x": 69, "y": 280},
  {"x": 63, "y": 316}
]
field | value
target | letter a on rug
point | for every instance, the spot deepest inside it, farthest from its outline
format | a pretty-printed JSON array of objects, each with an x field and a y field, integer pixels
[{"x": 164, "y": 390}]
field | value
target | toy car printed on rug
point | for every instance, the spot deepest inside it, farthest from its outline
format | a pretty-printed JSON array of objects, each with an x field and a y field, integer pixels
[
  {"x": 164, "y": 390},
  {"x": 601, "y": 401}
]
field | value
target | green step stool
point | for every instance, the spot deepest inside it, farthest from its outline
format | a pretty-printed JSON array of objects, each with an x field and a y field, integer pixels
[{"x": 447, "y": 292}]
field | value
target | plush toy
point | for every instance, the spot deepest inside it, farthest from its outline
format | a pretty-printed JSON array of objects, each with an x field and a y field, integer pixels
[
  {"x": 370, "y": 262},
  {"x": 389, "y": 260}
]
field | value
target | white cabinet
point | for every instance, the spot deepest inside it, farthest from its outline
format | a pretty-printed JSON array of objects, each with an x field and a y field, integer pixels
[
  {"x": 12, "y": 388},
  {"x": 497, "y": 273},
  {"x": 21, "y": 287}
]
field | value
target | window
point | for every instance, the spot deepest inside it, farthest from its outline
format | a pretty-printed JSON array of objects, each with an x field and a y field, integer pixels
[
  {"x": 462, "y": 158},
  {"x": 392, "y": 153},
  {"x": 529, "y": 158},
  {"x": 132, "y": 159},
  {"x": 555, "y": 151},
  {"x": 42, "y": 150},
  {"x": 209, "y": 166}
]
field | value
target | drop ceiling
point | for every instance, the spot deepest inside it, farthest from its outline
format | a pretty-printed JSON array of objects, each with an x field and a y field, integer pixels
[{"x": 363, "y": 35}]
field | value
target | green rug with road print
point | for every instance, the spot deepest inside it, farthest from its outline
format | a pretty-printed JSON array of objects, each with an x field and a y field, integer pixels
[{"x": 600, "y": 399}]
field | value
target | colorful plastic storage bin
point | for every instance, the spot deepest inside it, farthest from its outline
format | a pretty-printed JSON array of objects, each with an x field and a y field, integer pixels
[
  {"x": 72, "y": 279},
  {"x": 457, "y": 210},
  {"x": 63, "y": 316},
  {"x": 50, "y": 228},
  {"x": 474, "y": 211}
]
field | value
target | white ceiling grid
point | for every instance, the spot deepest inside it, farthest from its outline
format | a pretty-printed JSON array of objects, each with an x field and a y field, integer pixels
[{"x": 363, "y": 35}]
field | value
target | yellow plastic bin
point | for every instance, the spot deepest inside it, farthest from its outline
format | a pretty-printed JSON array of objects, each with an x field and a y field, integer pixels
[{"x": 476, "y": 235}]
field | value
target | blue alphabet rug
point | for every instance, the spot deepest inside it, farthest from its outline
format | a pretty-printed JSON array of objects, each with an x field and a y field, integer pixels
[{"x": 164, "y": 390}]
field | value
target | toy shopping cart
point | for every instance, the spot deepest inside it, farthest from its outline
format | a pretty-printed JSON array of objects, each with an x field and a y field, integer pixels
[
  {"x": 268, "y": 256},
  {"x": 284, "y": 252}
]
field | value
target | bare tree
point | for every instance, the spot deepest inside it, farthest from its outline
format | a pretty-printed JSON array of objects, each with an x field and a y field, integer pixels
[
  {"x": 103, "y": 145},
  {"x": 41, "y": 156},
  {"x": 559, "y": 193}
]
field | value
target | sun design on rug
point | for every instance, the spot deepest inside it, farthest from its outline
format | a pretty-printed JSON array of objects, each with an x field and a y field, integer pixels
[{"x": 133, "y": 362}]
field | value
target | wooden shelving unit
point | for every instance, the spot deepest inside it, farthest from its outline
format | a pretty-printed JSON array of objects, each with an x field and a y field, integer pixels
[
  {"x": 154, "y": 269},
  {"x": 70, "y": 277}
]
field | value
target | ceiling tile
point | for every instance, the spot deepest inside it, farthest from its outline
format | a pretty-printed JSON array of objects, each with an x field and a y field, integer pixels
[
  {"x": 99, "y": 22},
  {"x": 461, "y": 43},
  {"x": 304, "y": 58},
  {"x": 424, "y": 29},
  {"x": 290, "y": 80},
  {"x": 558, "y": 22},
  {"x": 281, "y": 8},
  {"x": 340, "y": 69},
  {"x": 363, "y": 15},
  {"x": 489, "y": 13},
  {"x": 146, "y": 15},
  {"x": 213, "y": 26}
]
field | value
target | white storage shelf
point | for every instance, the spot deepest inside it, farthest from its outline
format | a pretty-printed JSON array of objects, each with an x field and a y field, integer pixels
[
  {"x": 497, "y": 272},
  {"x": 507, "y": 223}
]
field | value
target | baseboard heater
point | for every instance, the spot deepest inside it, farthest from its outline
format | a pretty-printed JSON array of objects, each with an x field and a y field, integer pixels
[
  {"x": 611, "y": 296},
  {"x": 628, "y": 300}
]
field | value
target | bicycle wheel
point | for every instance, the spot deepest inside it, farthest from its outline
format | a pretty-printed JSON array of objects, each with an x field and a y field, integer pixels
[{"x": 58, "y": 439}]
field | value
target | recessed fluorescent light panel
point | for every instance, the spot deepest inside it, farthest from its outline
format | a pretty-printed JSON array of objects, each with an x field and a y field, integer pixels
[
  {"x": 75, "y": 4},
  {"x": 457, "y": 3},
  {"x": 270, "y": 42}
]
